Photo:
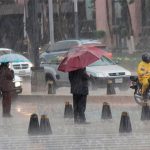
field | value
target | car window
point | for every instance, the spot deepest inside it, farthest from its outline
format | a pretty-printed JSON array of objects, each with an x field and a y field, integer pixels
[
  {"x": 102, "y": 62},
  {"x": 73, "y": 43},
  {"x": 61, "y": 46},
  {"x": 64, "y": 46}
]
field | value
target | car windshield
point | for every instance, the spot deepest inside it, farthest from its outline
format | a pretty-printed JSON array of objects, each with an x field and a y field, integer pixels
[{"x": 102, "y": 62}]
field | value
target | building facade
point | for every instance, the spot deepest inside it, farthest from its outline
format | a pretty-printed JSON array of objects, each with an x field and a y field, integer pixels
[{"x": 111, "y": 18}]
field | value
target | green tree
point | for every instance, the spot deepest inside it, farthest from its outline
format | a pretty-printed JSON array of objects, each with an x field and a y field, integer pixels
[
  {"x": 126, "y": 25},
  {"x": 63, "y": 20}
]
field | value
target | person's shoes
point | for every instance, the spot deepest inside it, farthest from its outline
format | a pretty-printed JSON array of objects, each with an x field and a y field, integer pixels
[
  {"x": 7, "y": 115},
  {"x": 76, "y": 121},
  {"x": 84, "y": 122}
]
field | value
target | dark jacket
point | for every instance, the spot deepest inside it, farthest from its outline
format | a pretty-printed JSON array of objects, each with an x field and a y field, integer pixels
[
  {"x": 79, "y": 82},
  {"x": 6, "y": 79}
]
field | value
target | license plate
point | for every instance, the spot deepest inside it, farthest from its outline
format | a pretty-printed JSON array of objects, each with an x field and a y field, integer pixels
[{"x": 118, "y": 80}]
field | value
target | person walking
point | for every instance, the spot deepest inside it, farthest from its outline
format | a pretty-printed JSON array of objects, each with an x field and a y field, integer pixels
[
  {"x": 79, "y": 88},
  {"x": 6, "y": 86}
]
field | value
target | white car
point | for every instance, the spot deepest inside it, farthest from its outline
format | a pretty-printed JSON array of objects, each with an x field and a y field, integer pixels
[
  {"x": 105, "y": 69},
  {"x": 18, "y": 63},
  {"x": 21, "y": 69}
]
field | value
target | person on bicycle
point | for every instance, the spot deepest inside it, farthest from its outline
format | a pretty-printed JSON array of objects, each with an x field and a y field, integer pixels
[{"x": 143, "y": 72}]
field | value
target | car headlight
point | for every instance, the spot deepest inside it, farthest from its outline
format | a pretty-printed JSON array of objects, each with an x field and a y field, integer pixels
[
  {"x": 128, "y": 73},
  {"x": 30, "y": 65},
  {"x": 99, "y": 74},
  {"x": 17, "y": 84}
]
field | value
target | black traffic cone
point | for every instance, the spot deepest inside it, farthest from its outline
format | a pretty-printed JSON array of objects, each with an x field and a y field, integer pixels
[
  {"x": 45, "y": 127},
  {"x": 33, "y": 124},
  {"x": 125, "y": 124},
  {"x": 110, "y": 88},
  {"x": 68, "y": 112},
  {"x": 145, "y": 114},
  {"x": 106, "y": 111}
]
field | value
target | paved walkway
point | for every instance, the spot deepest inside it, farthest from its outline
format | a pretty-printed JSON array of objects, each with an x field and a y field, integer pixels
[{"x": 99, "y": 135}]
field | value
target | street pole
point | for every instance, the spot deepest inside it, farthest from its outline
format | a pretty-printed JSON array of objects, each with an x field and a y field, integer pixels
[
  {"x": 76, "y": 19},
  {"x": 24, "y": 21},
  {"x": 51, "y": 22},
  {"x": 37, "y": 72},
  {"x": 35, "y": 35}
]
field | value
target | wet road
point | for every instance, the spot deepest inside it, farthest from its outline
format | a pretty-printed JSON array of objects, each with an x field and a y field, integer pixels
[{"x": 98, "y": 135}]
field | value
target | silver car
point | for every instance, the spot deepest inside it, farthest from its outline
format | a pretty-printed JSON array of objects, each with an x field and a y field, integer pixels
[{"x": 105, "y": 69}]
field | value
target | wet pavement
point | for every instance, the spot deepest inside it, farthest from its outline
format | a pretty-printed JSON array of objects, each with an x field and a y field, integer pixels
[
  {"x": 98, "y": 135},
  {"x": 66, "y": 90}
]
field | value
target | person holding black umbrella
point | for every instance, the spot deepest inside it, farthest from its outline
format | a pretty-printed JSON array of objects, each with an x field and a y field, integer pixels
[{"x": 79, "y": 88}]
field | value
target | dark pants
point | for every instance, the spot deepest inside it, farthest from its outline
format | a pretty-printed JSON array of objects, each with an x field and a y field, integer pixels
[
  {"x": 79, "y": 106},
  {"x": 6, "y": 103}
]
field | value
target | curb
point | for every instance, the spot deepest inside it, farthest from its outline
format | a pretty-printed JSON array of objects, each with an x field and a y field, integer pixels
[{"x": 54, "y": 98}]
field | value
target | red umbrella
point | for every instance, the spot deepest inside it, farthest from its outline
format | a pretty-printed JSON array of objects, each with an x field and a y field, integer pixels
[{"x": 78, "y": 58}]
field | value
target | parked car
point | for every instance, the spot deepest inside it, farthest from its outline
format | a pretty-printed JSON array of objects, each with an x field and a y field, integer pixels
[
  {"x": 62, "y": 47},
  {"x": 18, "y": 63},
  {"x": 105, "y": 69},
  {"x": 100, "y": 71}
]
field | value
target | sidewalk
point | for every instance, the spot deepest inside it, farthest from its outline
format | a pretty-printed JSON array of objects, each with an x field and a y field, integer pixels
[{"x": 99, "y": 135}]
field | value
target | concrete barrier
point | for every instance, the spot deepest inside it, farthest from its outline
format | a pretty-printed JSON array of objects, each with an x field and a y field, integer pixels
[{"x": 98, "y": 99}]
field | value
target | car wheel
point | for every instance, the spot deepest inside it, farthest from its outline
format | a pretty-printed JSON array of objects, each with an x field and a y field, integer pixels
[{"x": 51, "y": 86}]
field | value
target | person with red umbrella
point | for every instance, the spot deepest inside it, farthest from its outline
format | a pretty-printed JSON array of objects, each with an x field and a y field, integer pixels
[
  {"x": 79, "y": 88},
  {"x": 75, "y": 63}
]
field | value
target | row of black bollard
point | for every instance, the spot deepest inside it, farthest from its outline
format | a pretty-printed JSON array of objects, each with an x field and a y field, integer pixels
[
  {"x": 125, "y": 124},
  {"x": 35, "y": 128}
]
